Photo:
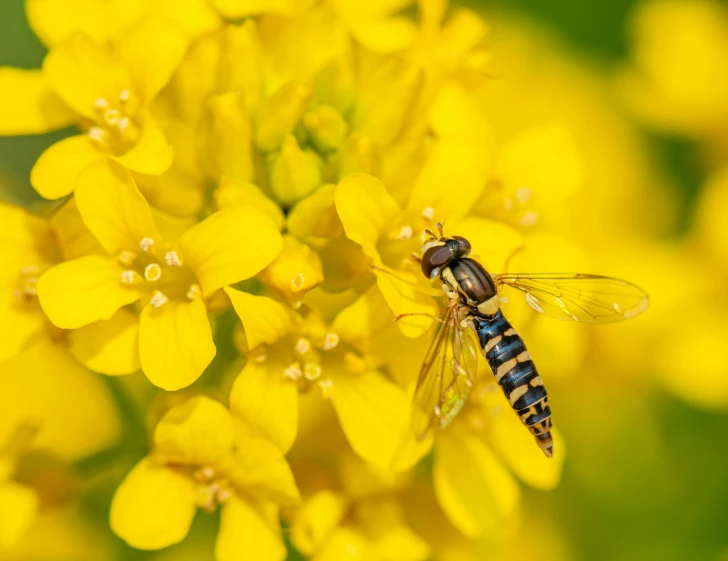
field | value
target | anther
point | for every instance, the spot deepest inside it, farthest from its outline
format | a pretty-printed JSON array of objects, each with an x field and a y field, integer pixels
[
  {"x": 312, "y": 371},
  {"x": 158, "y": 299},
  {"x": 172, "y": 259},
  {"x": 97, "y": 135},
  {"x": 101, "y": 104},
  {"x": 292, "y": 372},
  {"x": 529, "y": 219},
  {"x": 523, "y": 194},
  {"x": 298, "y": 282},
  {"x": 126, "y": 257},
  {"x": 124, "y": 123},
  {"x": 124, "y": 95},
  {"x": 428, "y": 213},
  {"x": 303, "y": 345},
  {"x": 146, "y": 245},
  {"x": 130, "y": 277},
  {"x": 405, "y": 233},
  {"x": 153, "y": 272},
  {"x": 112, "y": 116},
  {"x": 330, "y": 341},
  {"x": 193, "y": 291}
]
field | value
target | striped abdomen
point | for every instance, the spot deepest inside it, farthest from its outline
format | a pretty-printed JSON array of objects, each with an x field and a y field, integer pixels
[{"x": 517, "y": 376}]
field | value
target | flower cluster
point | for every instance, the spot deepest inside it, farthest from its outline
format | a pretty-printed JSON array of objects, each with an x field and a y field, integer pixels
[{"x": 235, "y": 217}]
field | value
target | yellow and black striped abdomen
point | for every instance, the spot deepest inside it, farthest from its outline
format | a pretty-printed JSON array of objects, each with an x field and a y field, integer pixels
[{"x": 517, "y": 376}]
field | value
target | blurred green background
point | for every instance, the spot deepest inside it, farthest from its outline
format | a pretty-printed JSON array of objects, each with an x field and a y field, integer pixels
[{"x": 638, "y": 503}]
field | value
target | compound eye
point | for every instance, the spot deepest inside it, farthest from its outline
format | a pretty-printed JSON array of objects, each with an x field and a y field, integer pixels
[
  {"x": 464, "y": 244},
  {"x": 435, "y": 259}
]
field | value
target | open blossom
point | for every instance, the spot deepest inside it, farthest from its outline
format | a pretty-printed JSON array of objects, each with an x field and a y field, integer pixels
[
  {"x": 170, "y": 331},
  {"x": 203, "y": 458}
]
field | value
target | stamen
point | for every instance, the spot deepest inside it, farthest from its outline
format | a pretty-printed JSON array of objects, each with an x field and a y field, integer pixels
[
  {"x": 523, "y": 194},
  {"x": 428, "y": 213},
  {"x": 153, "y": 272},
  {"x": 130, "y": 277},
  {"x": 146, "y": 244},
  {"x": 158, "y": 299},
  {"x": 312, "y": 371},
  {"x": 223, "y": 495},
  {"x": 326, "y": 387},
  {"x": 194, "y": 291},
  {"x": 303, "y": 345},
  {"x": 172, "y": 259},
  {"x": 529, "y": 219},
  {"x": 330, "y": 341},
  {"x": 298, "y": 282},
  {"x": 112, "y": 116},
  {"x": 30, "y": 270},
  {"x": 126, "y": 258},
  {"x": 124, "y": 123},
  {"x": 405, "y": 233},
  {"x": 97, "y": 135},
  {"x": 125, "y": 95},
  {"x": 29, "y": 286},
  {"x": 293, "y": 372},
  {"x": 258, "y": 355},
  {"x": 101, "y": 104}
]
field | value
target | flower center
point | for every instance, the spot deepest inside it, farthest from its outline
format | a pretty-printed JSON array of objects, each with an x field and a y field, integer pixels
[
  {"x": 212, "y": 489},
  {"x": 160, "y": 272},
  {"x": 25, "y": 291},
  {"x": 114, "y": 128}
]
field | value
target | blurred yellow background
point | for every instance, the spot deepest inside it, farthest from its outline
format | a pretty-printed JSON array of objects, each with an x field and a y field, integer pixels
[{"x": 630, "y": 101}]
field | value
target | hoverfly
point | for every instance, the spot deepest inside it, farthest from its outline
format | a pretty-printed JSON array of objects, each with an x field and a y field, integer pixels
[{"x": 473, "y": 309}]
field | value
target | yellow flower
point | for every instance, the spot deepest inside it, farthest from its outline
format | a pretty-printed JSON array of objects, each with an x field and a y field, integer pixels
[
  {"x": 291, "y": 353},
  {"x": 203, "y": 458},
  {"x": 172, "y": 280},
  {"x": 108, "y": 93},
  {"x": 362, "y": 519}
]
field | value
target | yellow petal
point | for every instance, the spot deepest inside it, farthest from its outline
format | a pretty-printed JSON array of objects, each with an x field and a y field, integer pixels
[
  {"x": 113, "y": 208},
  {"x": 314, "y": 219},
  {"x": 261, "y": 469},
  {"x": 366, "y": 210},
  {"x": 151, "y": 154},
  {"x": 401, "y": 542},
  {"x": 295, "y": 271},
  {"x": 404, "y": 298},
  {"x": 374, "y": 414},
  {"x": 82, "y": 291},
  {"x": 18, "y": 509},
  {"x": 56, "y": 170},
  {"x": 81, "y": 71},
  {"x": 29, "y": 105},
  {"x": 74, "y": 411},
  {"x": 265, "y": 400},
  {"x": 175, "y": 343},
  {"x": 231, "y": 245},
  {"x": 481, "y": 232},
  {"x": 233, "y": 191},
  {"x": 345, "y": 544},
  {"x": 472, "y": 487},
  {"x": 241, "y": 8},
  {"x": 295, "y": 173},
  {"x": 19, "y": 325},
  {"x": 72, "y": 235},
  {"x": 194, "y": 17},
  {"x": 151, "y": 53},
  {"x": 228, "y": 148},
  {"x": 264, "y": 319},
  {"x": 111, "y": 346},
  {"x": 517, "y": 447},
  {"x": 316, "y": 519},
  {"x": 244, "y": 534},
  {"x": 385, "y": 36},
  {"x": 279, "y": 115},
  {"x": 104, "y": 20},
  {"x": 153, "y": 507},
  {"x": 196, "y": 433}
]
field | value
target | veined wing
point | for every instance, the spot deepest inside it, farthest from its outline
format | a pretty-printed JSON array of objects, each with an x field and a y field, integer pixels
[
  {"x": 579, "y": 297},
  {"x": 445, "y": 377}
]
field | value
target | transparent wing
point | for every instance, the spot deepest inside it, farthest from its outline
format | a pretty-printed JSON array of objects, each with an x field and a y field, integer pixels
[
  {"x": 445, "y": 377},
  {"x": 579, "y": 297}
]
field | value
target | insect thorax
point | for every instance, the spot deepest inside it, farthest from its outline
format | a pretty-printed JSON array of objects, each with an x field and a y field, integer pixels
[{"x": 472, "y": 282}]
